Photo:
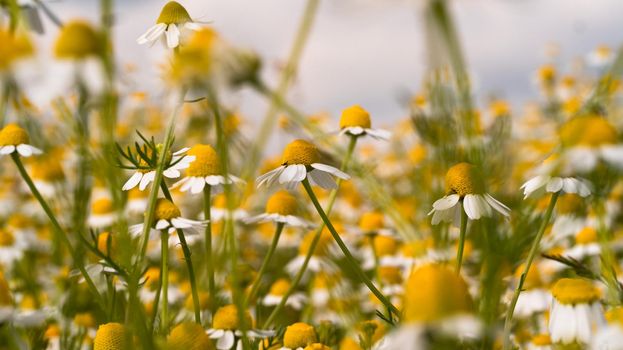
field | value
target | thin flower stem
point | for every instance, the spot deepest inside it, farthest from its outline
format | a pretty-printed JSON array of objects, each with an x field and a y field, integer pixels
[
  {"x": 349, "y": 257},
  {"x": 153, "y": 195},
  {"x": 57, "y": 227},
  {"x": 188, "y": 259},
  {"x": 271, "y": 250},
  {"x": 164, "y": 276},
  {"x": 463, "y": 231},
  {"x": 314, "y": 243},
  {"x": 207, "y": 208},
  {"x": 533, "y": 252}
]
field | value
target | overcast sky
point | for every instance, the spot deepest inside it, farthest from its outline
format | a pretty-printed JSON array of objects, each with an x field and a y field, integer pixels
[{"x": 369, "y": 51}]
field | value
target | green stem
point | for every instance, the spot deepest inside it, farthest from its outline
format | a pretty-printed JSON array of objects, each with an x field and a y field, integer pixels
[
  {"x": 314, "y": 243},
  {"x": 57, "y": 227},
  {"x": 207, "y": 208},
  {"x": 188, "y": 259},
  {"x": 267, "y": 258},
  {"x": 533, "y": 252},
  {"x": 164, "y": 276},
  {"x": 349, "y": 257},
  {"x": 463, "y": 231}
]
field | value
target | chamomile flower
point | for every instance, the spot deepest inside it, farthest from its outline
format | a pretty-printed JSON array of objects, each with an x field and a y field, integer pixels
[
  {"x": 15, "y": 139},
  {"x": 112, "y": 336},
  {"x": 167, "y": 217},
  {"x": 300, "y": 161},
  {"x": 586, "y": 244},
  {"x": 588, "y": 139},
  {"x": 188, "y": 335},
  {"x": 465, "y": 188},
  {"x": 278, "y": 290},
  {"x": 601, "y": 56},
  {"x": 298, "y": 335},
  {"x": 554, "y": 184},
  {"x": 576, "y": 312},
  {"x": 102, "y": 213},
  {"x": 172, "y": 21},
  {"x": 225, "y": 326},
  {"x": 143, "y": 177},
  {"x": 540, "y": 342},
  {"x": 281, "y": 207},
  {"x": 204, "y": 170},
  {"x": 355, "y": 121}
]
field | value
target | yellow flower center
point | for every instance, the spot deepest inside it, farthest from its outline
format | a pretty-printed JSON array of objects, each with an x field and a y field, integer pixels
[
  {"x": 112, "y": 336},
  {"x": 603, "y": 51},
  {"x": 102, "y": 242},
  {"x": 47, "y": 169},
  {"x": 385, "y": 245},
  {"x": 417, "y": 154},
  {"x": 591, "y": 131},
  {"x": 533, "y": 278},
  {"x": 282, "y": 203},
  {"x": 6, "y": 238},
  {"x": 300, "y": 152},
  {"x": 280, "y": 287},
  {"x": 434, "y": 292},
  {"x": 299, "y": 335},
  {"x": 152, "y": 277},
  {"x": 390, "y": 274},
  {"x": 77, "y": 40},
  {"x": 53, "y": 331},
  {"x": 575, "y": 291},
  {"x": 13, "y": 47},
  {"x": 372, "y": 221},
  {"x": 166, "y": 210},
  {"x": 173, "y": 13},
  {"x": 226, "y": 317},
  {"x": 13, "y": 135},
  {"x": 542, "y": 340},
  {"x": 189, "y": 336},
  {"x": 499, "y": 108},
  {"x": 206, "y": 161},
  {"x": 547, "y": 73},
  {"x": 85, "y": 319},
  {"x": 102, "y": 206},
  {"x": 464, "y": 179},
  {"x": 355, "y": 116},
  {"x": 586, "y": 235}
]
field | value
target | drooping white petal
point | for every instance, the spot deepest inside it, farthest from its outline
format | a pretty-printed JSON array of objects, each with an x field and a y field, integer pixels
[
  {"x": 181, "y": 151},
  {"x": 554, "y": 185},
  {"x": 471, "y": 207},
  {"x": 331, "y": 170},
  {"x": 198, "y": 185},
  {"x": 179, "y": 223},
  {"x": 534, "y": 184},
  {"x": 322, "y": 179},
  {"x": 268, "y": 178},
  {"x": 192, "y": 26},
  {"x": 24, "y": 150},
  {"x": 162, "y": 224},
  {"x": 354, "y": 130},
  {"x": 226, "y": 341},
  {"x": 379, "y": 134},
  {"x": 171, "y": 173},
  {"x": 152, "y": 33},
  {"x": 7, "y": 149},
  {"x": 173, "y": 36},
  {"x": 214, "y": 180},
  {"x": 497, "y": 205},
  {"x": 133, "y": 181},
  {"x": 446, "y": 202},
  {"x": 147, "y": 178},
  {"x": 613, "y": 154}
]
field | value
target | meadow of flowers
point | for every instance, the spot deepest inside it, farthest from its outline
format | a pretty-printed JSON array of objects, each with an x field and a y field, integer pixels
[{"x": 133, "y": 222}]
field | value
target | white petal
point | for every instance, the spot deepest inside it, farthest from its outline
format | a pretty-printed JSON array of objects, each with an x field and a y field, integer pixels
[
  {"x": 613, "y": 155},
  {"x": 147, "y": 178},
  {"x": 178, "y": 223},
  {"x": 133, "y": 181},
  {"x": 290, "y": 174},
  {"x": 497, "y": 205},
  {"x": 171, "y": 173},
  {"x": 226, "y": 341},
  {"x": 322, "y": 179},
  {"x": 180, "y": 183},
  {"x": 181, "y": 151},
  {"x": 534, "y": 184},
  {"x": 554, "y": 185},
  {"x": 446, "y": 202},
  {"x": 198, "y": 185},
  {"x": 379, "y": 134},
  {"x": 193, "y": 26},
  {"x": 162, "y": 224},
  {"x": 173, "y": 36},
  {"x": 268, "y": 178},
  {"x": 24, "y": 150},
  {"x": 7, "y": 149},
  {"x": 214, "y": 180},
  {"x": 152, "y": 33},
  {"x": 470, "y": 205},
  {"x": 331, "y": 170},
  {"x": 189, "y": 183}
]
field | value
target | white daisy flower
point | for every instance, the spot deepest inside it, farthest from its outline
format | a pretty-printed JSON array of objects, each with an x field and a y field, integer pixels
[
  {"x": 204, "y": 170},
  {"x": 465, "y": 188},
  {"x": 15, "y": 139},
  {"x": 168, "y": 218},
  {"x": 102, "y": 214},
  {"x": 300, "y": 161},
  {"x": 298, "y": 336},
  {"x": 355, "y": 121},
  {"x": 281, "y": 208},
  {"x": 600, "y": 57},
  {"x": 143, "y": 177},
  {"x": 576, "y": 313},
  {"x": 586, "y": 244},
  {"x": 173, "y": 20},
  {"x": 556, "y": 184},
  {"x": 225, "y": 328}
]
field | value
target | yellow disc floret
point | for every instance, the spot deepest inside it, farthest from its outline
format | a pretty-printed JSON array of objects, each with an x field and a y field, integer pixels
[
  {"x": 226, "y": 317},
  {"x": 385, "y": 245},
  {"x": 299, "y": 335},
  {"x": 355, "y": 116},
  {"x": 206, "y": 161},
  {"x": 189, "y": 336},
  {"x": 13, "y": 135},
  {"x": 111, "y": 336},
  {"x": 6, "y": 238},
  {"x": 282, "y": 203},
  {"x": 541, "y": 340},
  {"x": 317, "y": 346},
  {"x": 102, "y": 206},
  {"x": 173, "y": 13},
  {"x": 300, "y": 152},
  {"x": 372, "y": 221},
  {"x": 77, "y": 40},
  {"x": 588, "y": 131},
  {"x": 166, "y": 210},
  {"x": 464, "y": 179},
  {"x": 586, "y": 235},
  {"x": 434, "y": 292},
  {"x": 280, "y": 287},
  {"x": 13, "y": 47},
  {"x": 573, "y": 291},
  {"x": 47, "y": 169}
]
